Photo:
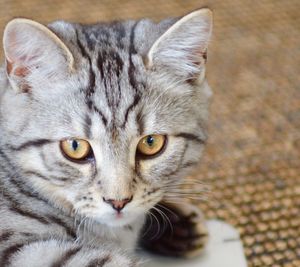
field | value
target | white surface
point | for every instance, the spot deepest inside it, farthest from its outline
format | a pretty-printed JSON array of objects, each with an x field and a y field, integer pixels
[{"x": 224, "y": 249}]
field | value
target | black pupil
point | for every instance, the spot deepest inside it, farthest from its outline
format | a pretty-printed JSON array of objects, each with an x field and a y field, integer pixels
[
  {"x": 150, "y": 140},
  {"x": 74, "y": 144}
]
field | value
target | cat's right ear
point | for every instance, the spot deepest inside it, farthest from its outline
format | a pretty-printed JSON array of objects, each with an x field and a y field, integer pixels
[
  {"x": 34, "y": 55},
  {"x": 181, "y": 50}
]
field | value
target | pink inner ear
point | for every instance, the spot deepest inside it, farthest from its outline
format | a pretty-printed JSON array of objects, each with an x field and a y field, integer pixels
[
  {"x": 19, "y": 71},
  {"x": 9, "y": 66},
  {"x": 17, "y": 65}
]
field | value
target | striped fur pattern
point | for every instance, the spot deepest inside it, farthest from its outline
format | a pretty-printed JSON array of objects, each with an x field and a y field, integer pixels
[{"x": 110, "y": 84}]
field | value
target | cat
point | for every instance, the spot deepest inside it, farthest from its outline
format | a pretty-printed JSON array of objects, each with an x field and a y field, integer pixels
[{"x": 99, "y": 124}]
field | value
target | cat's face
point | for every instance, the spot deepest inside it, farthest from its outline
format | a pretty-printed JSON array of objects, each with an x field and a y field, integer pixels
[{"x": 107, "y": 127}]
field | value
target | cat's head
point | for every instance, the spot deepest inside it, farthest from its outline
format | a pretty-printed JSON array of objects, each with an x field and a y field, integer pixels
[{"x": 105, "y": 120}]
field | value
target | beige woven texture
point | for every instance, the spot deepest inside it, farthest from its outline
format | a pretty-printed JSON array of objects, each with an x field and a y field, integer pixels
[{"x": 252, "y": 161}]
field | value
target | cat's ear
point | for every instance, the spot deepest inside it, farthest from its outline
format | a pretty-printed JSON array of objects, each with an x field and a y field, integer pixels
[
  {"x": 181, "y": 50},
  {"x": 34, "y": 54}
]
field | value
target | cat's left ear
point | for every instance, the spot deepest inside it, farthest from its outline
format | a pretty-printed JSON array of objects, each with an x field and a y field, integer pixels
[
  {"x": 34, "y": 54},
  {"x": 181, "y": 50}
]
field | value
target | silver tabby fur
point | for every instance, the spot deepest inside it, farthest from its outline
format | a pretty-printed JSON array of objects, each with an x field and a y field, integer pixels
[{"x": 111, "y": 84}]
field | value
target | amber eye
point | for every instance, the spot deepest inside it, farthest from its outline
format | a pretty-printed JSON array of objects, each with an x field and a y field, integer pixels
[
  {"x": 151, "y": 145},
  {"x": 76, "y": 149}
]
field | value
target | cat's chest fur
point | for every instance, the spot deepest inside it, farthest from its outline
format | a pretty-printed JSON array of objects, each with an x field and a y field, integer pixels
[{"x": 125, "y": 237}]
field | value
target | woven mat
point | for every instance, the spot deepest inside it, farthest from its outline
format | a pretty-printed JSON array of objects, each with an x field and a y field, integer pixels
[{"x": 252, "y": 161}]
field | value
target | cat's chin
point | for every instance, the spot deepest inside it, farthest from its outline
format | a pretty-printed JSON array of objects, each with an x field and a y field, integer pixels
[{"x": 118, "y": 220}]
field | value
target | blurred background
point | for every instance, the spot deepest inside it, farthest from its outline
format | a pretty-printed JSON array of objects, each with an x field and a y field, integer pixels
[{"x": 252, "y": 161}]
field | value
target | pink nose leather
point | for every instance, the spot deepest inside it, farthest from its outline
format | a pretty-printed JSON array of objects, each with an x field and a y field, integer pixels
[{"x": 118, "y": 204}]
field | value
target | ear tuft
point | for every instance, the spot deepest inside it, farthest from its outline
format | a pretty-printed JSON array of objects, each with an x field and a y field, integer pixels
[
  {"x": 30, "y": 47},
  {"x": 182, "y": 49}
]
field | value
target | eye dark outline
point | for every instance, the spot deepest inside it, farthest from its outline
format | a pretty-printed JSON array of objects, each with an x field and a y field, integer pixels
[
  {"x": 87, "y": 158},
  {"x": 142, "y": 156}
]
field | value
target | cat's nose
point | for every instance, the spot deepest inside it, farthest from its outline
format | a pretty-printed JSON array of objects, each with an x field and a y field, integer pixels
[{"x": 118, "y": 204}]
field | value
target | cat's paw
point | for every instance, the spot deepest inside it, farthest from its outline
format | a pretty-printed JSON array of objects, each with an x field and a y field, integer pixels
[{"x": 174, "y": 230}]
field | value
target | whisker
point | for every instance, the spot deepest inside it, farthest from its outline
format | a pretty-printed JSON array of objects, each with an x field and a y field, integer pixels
[
  {"x": 169, "y": 210},
  {"x": 149, "y": 227},
  {"x": 164, "y": 216},
  {"x": 158, "y": 230}
]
